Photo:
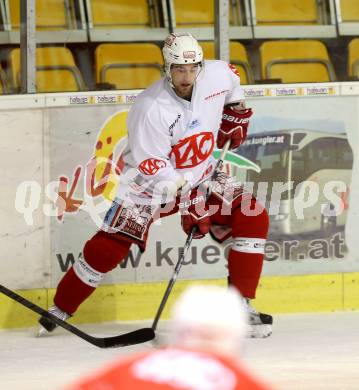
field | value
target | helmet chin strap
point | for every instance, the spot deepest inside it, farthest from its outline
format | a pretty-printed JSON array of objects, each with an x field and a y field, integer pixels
[{"x": 169, "y": 79}]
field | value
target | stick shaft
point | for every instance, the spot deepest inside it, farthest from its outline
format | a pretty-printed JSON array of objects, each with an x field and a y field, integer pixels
[{"x": 187, "y": 245}]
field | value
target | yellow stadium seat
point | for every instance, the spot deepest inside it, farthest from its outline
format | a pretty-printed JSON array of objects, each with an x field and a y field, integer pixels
[
  {"x": 56, "y": 70},
  {"x": 353, "y": 58},
  {"x": 119, "y": 13},
  {"x": 3, "y": 82},
  {"x": 196, "y": 13},
  {"x": 296, "y": 61},
  {"x": 279, "y": 12},
  {"x": 50, "y": 15},
  {"x": 128, "y": 65},
  {"x": 349, "y": 10},
  {"x": 238, "y": 57}
]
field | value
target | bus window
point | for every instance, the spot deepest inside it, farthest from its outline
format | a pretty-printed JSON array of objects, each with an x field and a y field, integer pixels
[
  {"x": 321, "y": 154},
  {"x": 270, "y": 152},
  {"x": 344, "y": 154}
]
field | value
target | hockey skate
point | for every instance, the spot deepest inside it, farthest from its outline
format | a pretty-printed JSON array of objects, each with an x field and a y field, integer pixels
[
  {"x": 260, "y": 324},
  {"x": 46, "y": 325}
]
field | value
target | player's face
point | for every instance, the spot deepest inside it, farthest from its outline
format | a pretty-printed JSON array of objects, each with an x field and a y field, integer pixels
[{"x": 183, "y": 78}]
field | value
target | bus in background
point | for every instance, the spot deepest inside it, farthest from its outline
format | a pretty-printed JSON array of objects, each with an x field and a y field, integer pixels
[{"x": 300, "y": 159}]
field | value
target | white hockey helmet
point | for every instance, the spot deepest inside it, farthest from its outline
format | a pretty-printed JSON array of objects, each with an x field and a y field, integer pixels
[
  {"x": 210, "y": 316},
  {"x": 181, "y": 48}
]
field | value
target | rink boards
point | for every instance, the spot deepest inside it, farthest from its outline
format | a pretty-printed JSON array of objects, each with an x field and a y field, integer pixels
[
  {"x": 52, "y": 138},
  {"x": 131, "y": 302}
]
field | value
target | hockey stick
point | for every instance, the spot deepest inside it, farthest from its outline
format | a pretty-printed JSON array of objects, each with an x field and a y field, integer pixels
[
  {"x": 130, "y": 338},
  {"x": 138, "y": 336},
  {"x": 187, "y": 243}
]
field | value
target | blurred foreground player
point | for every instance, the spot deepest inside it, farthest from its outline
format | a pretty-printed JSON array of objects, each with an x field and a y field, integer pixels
[
  {"x": 204, "y": 353},
  {"x": 173, "y": 127}
]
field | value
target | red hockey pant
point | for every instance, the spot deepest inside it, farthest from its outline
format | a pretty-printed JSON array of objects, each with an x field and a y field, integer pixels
[{"x": 103, "y": 252}]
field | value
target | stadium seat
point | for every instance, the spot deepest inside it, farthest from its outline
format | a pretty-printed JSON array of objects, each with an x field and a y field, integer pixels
[
  {"x": 279, "y": 12},
  {"x": 199, "y": 13},
  {"x": 119, "y": 13},
  {"x": 349, "y": 10},
  {"x": 50, "y": 15},
  {"x": 128, "y": 65},
  {"x": 56, "y": 70},
  {"x": 238, "y": 57},
  {"x": 295, "y": 61},
  {"x": 3, "y": 17},
  {"x": 3, "y": 82},
  {"x": 353, "y": 58}
]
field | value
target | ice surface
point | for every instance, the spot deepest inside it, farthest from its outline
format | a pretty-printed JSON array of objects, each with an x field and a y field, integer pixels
[{"x": 305, "y": 352}]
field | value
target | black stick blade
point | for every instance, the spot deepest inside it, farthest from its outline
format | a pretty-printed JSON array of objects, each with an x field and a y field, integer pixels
[
  {"x": 123, "y": 340},
  {"x": 136, "y": 337}
]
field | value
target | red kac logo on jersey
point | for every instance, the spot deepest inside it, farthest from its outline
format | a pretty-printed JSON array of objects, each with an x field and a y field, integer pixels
[
  {"x": 234, "y": 70},
  {"x": 192, "y": 151},
  {"x": 151, "y": 166}
]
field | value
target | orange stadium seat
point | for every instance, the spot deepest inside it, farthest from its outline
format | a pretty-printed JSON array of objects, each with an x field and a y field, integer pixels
[
  {"x": 295, "y": 61},
  {"x": 50, "y": 15},
  {"x": 199, "y": 13},
  {"x": 353, "y": 58},
  {"x": 119, "y": 13},
  {"x": 238, "y": 57},
  {"x": 279, "y": 12},
  {"x": 349, "y": 10},
  {"x": 56, "y": 70},
  {"x": 128, "y": 65}
]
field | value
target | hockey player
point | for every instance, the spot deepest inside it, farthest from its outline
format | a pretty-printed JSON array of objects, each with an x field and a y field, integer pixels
[
  {"x": 173, "y": 127},
  {"x": 205, "y": 352}
]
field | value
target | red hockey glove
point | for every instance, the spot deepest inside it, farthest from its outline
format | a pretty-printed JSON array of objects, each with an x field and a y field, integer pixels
[
  {"x": 234, "y": 127},
  {"x": 195, "y": 213}
]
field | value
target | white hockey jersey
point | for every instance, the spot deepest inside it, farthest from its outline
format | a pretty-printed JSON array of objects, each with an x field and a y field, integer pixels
[{"x": 169, "y": 137}]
